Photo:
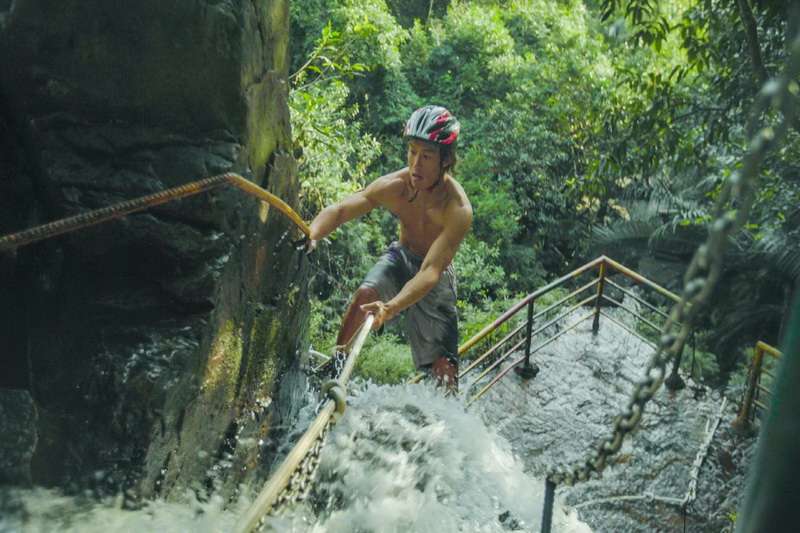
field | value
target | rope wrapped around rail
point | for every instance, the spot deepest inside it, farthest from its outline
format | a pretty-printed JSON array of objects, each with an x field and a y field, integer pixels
[
  {"x": 291, "y": 482},
  {"x": 119, "y": 210}
]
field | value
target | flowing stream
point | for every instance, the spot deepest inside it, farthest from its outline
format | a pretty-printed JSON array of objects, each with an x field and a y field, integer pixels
[{"x": 403, "y": 458}]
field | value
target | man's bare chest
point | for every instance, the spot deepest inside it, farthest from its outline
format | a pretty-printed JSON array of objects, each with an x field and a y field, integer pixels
[{"x": 420, "y": 221}]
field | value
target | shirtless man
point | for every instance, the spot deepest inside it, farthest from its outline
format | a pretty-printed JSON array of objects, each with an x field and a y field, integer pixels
[{"x": 415, "y": 275}]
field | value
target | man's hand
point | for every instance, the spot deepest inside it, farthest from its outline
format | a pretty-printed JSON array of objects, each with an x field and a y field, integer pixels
[
  {"x": 380, "y": 310},
  {"x": 311, "y": 245}
]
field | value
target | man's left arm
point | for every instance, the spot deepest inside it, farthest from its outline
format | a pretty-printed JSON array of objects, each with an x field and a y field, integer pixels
[{"x": 439, "y": 256}]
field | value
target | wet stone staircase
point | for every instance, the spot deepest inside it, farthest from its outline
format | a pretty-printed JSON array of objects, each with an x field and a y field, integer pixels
[{"x": 584, "y": 382}]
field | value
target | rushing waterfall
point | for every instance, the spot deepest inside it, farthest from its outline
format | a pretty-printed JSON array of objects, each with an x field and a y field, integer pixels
[{"x": 403, "y": 458}]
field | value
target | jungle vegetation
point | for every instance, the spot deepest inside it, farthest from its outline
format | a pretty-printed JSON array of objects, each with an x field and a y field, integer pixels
[{"x": 588, "y": 127}]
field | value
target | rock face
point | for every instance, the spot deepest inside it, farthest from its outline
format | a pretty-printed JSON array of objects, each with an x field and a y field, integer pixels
[
  {"x": 18, "y": 426},
  {"x": 150, "y": 345}
]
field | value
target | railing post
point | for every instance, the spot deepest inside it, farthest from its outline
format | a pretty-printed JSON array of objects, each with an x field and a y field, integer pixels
[
  {"x": 547, "y": 510},
  {"x": 600, "y": 285},
  {"x": 742, "y": 422},
  {"x": 528, "y": 370},
  {"x": 674, "y": 381}
]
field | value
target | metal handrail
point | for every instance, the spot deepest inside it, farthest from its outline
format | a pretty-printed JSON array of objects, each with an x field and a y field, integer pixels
[
  {"x": 505, "y": 371},
  {"x": 626, "y": 328},
  {"x": 565, "y": 298},
  {"x": 491, "y": 350},
  {"x": 604, "y": 264},
  {"x": 533, "y": 333},
  {"x": 525, "y": 301},
  {"x": 280, "y": 479},
  {"x": 637, "y": 298},
  {"x": 620, "y": 305},
  {"x": 622, "y": 269},
  {"x": 744, "y": 419},
  {"x": 121, "y": 209}
]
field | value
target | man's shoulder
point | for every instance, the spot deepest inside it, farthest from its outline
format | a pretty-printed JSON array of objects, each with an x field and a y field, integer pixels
[
  {"x": 457, "y": 198},
  {"x": 389, "y": 186}
]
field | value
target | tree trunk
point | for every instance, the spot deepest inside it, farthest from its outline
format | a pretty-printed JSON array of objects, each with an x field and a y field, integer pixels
[{"x": 751, "y": 31}]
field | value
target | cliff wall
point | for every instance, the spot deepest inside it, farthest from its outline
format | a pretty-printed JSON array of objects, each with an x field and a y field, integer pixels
[{"x": 152, "y": 346}]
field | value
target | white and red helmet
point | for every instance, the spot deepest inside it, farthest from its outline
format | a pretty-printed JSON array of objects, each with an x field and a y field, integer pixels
[{"x": 434, "y": 124}]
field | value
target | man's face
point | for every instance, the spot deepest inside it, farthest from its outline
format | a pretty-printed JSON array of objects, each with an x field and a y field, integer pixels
[{"x": 423, "y": 164}]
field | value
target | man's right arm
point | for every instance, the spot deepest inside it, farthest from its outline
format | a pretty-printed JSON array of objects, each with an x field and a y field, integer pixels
[{"x": 353, "y": 206}]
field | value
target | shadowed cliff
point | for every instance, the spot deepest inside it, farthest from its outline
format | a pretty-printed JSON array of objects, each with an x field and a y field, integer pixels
[{"x": 146, "y": 348}]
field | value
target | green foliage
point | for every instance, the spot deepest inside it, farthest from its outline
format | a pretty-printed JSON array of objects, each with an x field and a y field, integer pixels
[
  {"x": 385, "y": 359},
  {"x": 479, "y": 274},
  {"x": 496, "y": 209},
  {"x": 335, "y": 152},
  {"x": 552, "y": 297},
  {"x": 700, "y": 365},
  {"x": 586, "y": 128}
]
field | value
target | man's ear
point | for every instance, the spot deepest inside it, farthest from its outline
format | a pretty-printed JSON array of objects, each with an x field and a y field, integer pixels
[{"x": 447, "y": 159}]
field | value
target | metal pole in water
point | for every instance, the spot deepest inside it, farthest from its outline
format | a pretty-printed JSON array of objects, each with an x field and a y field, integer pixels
[
  {"x": 547, "y": 511},
  {"x": 527, "y": 370},
  {"x": 600, "y": 285}
]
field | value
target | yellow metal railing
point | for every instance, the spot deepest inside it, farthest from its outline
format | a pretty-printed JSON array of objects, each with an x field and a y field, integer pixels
[
  {"x": 510, "y": 344},
  {"x": 280, "y": 480},
  {"x": 105, "y": 214},
  {"x": 750, "y": 399}
]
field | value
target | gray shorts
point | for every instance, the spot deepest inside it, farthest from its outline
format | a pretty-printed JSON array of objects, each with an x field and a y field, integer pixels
[{"x": 431, "y": 324}]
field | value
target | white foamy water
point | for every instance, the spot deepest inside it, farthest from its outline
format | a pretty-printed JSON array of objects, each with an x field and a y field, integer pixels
[
  {"x": 45, "y": 511},
  {"x": 403, "y": 458},
  {"x": 406, "y": 459}
]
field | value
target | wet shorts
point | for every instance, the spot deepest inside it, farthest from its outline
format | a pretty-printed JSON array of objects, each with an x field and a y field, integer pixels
[{"x": 431, "y": 324}]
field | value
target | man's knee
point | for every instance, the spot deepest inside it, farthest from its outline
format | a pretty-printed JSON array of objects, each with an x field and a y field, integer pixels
[{"x": 365, "y": 295}]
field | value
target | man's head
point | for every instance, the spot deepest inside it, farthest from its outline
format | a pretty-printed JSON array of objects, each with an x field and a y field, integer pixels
[{"x": 431, "y": 133}]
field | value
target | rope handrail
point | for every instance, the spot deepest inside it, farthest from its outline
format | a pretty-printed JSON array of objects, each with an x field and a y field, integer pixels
[
  {"x": 279, "y": 481},
  {"x": 121, "y": 209}
]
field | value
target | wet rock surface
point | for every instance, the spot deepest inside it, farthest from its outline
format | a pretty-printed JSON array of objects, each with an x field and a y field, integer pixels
[
  {"x": 559, "y": 417},
  {"x": 17, "y": 436},
  {"x": 147, "y": 340}
]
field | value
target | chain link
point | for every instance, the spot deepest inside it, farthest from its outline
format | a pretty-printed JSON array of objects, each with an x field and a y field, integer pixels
[
  {"x": 731, "y": 211},
  {"x": 332, "y": 369},
  {"x": 301, "y": 482}
]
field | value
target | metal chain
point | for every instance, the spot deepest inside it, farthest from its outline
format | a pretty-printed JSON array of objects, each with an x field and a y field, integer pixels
[
  {"x": 332, "y": 369},
  {"x": 301, "y": 482},
  {"x": 731, "y": 212},
  {"x": 302, "y": 479}
]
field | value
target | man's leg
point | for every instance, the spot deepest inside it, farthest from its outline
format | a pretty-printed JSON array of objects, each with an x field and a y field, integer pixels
[
  {"x": 354, "y": 316},
  {"x": 446, "y": 374}
]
